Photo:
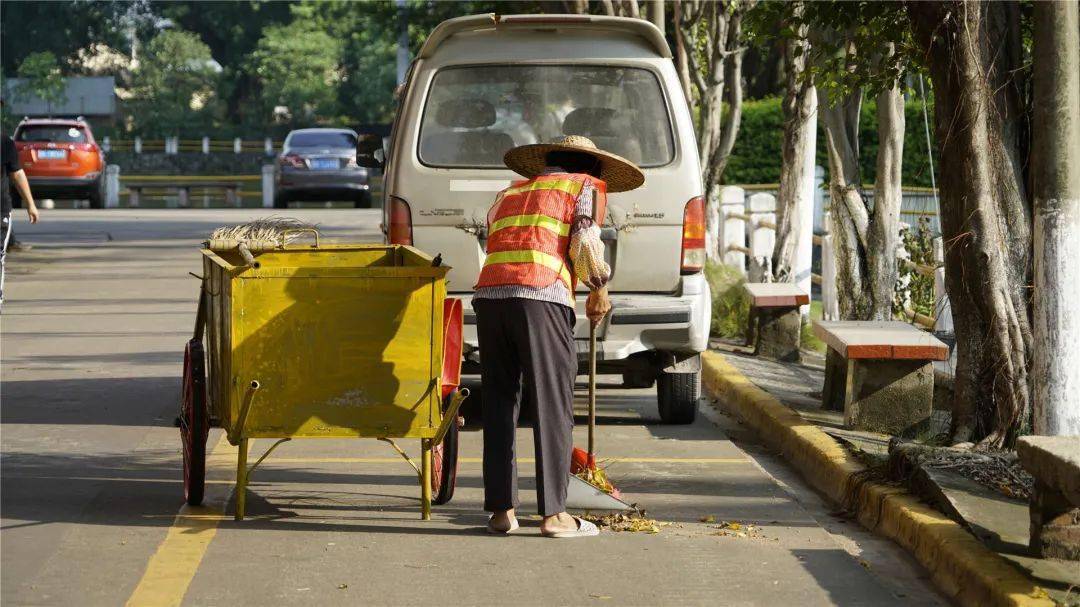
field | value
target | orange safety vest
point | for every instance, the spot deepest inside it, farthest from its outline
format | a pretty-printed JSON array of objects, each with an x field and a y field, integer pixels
[{"x": 528, "y": 241}]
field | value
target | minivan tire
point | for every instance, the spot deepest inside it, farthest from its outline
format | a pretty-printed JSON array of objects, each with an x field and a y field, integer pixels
[{"x": 677, "y": 396}]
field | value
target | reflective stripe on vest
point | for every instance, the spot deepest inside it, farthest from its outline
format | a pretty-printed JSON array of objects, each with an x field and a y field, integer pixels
[
  {"x": 527, "y": 256},
  {"x": 538, "y": 221},
  {"x": 570, "y": 186}
]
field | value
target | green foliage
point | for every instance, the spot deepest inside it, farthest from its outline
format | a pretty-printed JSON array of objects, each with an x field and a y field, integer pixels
[
  {"x": 43, "y": 78},
  {"x": 174, "y": 87},
  {"x": 60, "y": 28},
  {"x": 912, "y": 287},
  {"x": 756, "y": 155},
  {"x": 849, "y": 40},
  {"x": 730, "y": 303},
  {"x": 296, "y": 66}
]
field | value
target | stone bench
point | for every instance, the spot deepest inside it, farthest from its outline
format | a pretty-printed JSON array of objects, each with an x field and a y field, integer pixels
[
  {"x": 1054, "y": 461},
  {"x": 183, "y": 189},
  {"x": 775, "y": 322},
  {"x": 879, "y": 373}
]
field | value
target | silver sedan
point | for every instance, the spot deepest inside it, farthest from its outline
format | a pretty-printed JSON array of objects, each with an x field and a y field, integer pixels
[{"x": 320, "y": 165}]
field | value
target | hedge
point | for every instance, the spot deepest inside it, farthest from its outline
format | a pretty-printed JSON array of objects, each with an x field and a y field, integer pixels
[{"x": 756, "y": 155}]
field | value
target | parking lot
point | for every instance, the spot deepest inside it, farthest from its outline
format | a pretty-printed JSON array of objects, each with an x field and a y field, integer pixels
[{"x": 93, "y": 332}]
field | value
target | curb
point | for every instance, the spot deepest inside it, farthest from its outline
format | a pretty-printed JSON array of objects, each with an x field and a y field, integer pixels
[{"x": 960, "y": 565}]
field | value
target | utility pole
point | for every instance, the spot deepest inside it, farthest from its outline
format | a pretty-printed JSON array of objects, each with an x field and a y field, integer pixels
[
  {"x": 403, "y": 41},
  {"x": 1056, "y": 181}
]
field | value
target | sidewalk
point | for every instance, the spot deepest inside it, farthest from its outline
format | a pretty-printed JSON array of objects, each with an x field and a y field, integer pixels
[{"x": 776, "y": 399}]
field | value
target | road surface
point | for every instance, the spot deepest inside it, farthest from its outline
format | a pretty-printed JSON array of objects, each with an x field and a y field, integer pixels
[{"x": 93, "y": 330}]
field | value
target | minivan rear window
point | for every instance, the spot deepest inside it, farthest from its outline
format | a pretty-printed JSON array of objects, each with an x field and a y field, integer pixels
[
  {"x": 474, "y": 114},
  {"x": 54, "y": 133}
]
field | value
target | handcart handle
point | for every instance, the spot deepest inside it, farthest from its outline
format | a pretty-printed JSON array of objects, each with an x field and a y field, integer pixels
[
  {"x": 200, "y": 314},
  {"x": 313, "y": 231}
]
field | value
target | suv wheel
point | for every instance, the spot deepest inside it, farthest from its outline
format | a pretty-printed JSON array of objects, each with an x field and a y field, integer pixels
[
  {"x": 677, "y": 396},
  {"x": 96, "y": 196}
]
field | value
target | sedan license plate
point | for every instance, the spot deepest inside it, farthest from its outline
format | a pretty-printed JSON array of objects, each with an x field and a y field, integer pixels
[
  {"x": 324, "y": 164},
  {"x": 52, "y": 154}
]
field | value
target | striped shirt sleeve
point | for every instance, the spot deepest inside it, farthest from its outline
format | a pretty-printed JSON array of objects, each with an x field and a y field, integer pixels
[{"x": 586, "y": 248}]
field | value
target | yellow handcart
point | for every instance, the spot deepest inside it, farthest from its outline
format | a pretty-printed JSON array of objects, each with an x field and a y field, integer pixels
[{"x": 323, "y": 341}]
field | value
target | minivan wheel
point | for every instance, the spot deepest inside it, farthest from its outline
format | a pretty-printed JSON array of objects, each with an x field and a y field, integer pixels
[{"x": 677, "y": 396}]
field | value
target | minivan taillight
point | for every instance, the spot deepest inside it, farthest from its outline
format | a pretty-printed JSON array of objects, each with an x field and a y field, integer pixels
[
  {"x": 399, "y": 230},
  {"x": 693, "y": 236}
]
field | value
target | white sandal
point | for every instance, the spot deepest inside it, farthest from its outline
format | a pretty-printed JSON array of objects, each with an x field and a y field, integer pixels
[
  {"x": 513, "y": 527},
  {"x": 585, "y": 529}
]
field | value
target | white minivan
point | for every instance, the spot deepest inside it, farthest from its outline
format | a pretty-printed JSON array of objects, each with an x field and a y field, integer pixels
[{"x": 486, "y": 83}]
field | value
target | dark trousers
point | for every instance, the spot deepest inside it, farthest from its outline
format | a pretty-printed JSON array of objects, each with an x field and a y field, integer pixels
[{"x": 526, "y": 349}]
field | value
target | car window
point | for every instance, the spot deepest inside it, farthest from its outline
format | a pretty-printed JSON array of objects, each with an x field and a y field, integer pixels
[
  {"x": 322, "y": 140},
  {"x": 474, "y": 114},
  {"x": 53, "y": 133}
]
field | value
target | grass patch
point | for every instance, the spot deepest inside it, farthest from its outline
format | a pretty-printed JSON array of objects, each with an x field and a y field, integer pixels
[
  {"x": 809, "y": 341},
  {"x": 730, "y": 303}
]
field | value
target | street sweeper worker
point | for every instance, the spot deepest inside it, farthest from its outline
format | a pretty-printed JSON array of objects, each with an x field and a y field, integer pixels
[{"x": 543, "y": 239}]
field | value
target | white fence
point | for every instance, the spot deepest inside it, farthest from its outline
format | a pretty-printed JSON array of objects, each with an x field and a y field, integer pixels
[{"x": 745, "y": 234}]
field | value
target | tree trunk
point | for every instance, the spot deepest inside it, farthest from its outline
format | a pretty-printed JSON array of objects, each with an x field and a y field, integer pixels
[
  {"x": 799, "y": 107},
  {"x": 985, "y": 213},
  {"x": 656, "y": 13},
  {"x": 1055, "y": 171},
  {"x": 865, "y": 235},
  {"x": 577, "y": 7}
]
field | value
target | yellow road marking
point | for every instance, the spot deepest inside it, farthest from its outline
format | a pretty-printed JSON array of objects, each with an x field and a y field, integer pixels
[{"x": 173, "y": 565}]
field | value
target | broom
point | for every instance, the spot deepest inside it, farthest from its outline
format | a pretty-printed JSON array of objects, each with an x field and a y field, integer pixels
[{"x": 589, "y": 487}]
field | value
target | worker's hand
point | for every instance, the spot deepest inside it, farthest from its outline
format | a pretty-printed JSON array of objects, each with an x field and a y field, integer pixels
[
  {"x": 32, "y": 212},
  {"x": 597, "y": 305}
]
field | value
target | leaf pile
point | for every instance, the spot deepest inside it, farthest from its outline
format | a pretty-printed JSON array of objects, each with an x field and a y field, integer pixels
[
  {"x": 596, "y": 477},
  {"x": 634, "y": 522}
]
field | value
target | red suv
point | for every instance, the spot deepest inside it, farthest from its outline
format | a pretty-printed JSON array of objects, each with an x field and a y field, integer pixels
[{"x": 61, "y": 159}]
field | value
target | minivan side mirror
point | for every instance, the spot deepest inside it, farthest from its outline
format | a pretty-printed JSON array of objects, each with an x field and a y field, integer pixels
[{"x": 369, "y": 152}]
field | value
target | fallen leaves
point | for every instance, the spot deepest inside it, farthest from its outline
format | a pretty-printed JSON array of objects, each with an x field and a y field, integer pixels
[
  {"x": 734, "y": 529},
  {"x": 596, "y": 477},
  {"x": 635, "y": 522}
]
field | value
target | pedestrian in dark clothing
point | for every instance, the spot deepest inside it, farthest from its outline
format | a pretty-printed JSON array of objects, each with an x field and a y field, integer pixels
[{"x": 11, "y": 173}]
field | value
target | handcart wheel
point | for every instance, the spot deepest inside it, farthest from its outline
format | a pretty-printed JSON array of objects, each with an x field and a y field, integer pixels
[
  {"x": 444, "y": 461},
  {"x": 445, "y": 454},
  {"x": 194, "y": 426}
]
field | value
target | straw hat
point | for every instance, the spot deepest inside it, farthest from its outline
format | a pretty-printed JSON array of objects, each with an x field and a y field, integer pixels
[{"x": 620, "y": 174}]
